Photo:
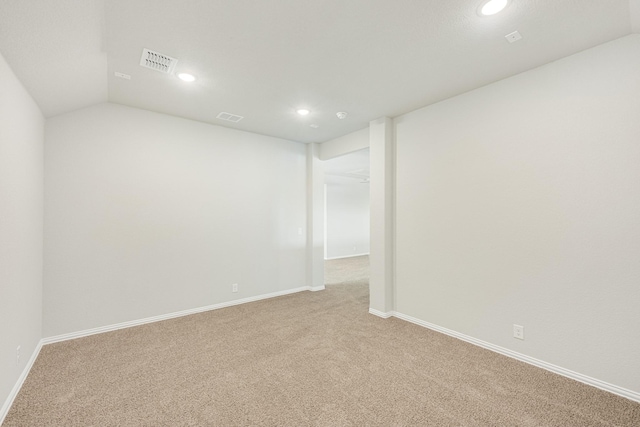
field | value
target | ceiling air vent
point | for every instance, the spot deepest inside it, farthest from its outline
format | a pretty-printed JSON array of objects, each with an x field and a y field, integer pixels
[
  {"x": 157, "y": 61},
  {"x": 229, "y": 117}
]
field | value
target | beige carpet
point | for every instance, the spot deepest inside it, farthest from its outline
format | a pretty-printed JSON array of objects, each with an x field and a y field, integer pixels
[
  {"x": 307, "y": 359},
  {"x": 347, "y": 270}
]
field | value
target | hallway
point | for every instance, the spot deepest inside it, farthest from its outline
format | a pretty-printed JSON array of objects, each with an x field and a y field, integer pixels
[{"x": 353, "y": 270}]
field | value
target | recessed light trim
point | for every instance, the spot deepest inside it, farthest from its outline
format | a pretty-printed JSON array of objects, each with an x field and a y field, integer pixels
[
  {"x": 186, "y": 77},
  {"x": 303, "y": 111},
  {"x": 491, "y": 7}
]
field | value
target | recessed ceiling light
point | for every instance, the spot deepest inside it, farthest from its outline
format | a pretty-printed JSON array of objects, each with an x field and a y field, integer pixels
[
  {"x": 492, "y": 7},
  {"x": 341, "y": 115},
  {"x": 303, "y": 111},
  {"x": 186, "y": 77}
]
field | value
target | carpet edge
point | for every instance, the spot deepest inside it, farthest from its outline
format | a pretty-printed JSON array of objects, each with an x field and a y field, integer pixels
[
  {"x": 602, "y": 385},
  {"x": 6, "y": 407},
  {"x": 379, "y": 313},
  {"x": 173, "y": 315}
]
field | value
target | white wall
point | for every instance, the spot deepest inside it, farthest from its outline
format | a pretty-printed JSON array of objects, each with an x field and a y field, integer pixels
[
  {"x": 21, "y": 186},
  {"x": 147, "y": 214},
  {"x": 346, "y": 195},
  {"x": 634, "y": 12},
  {"x": 315, "y": 218},
  {"x": 348, "y": 143},
  {"x": 347, "y": 206},
  {"x": 382, "y": 235},
  {"x": 519, "y": 202}
]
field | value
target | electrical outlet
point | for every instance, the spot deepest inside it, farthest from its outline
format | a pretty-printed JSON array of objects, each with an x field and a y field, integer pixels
[
  {"x": 234, "y": 287},
  {"x": 18, "y": 356},
  {"x": 518, "y": 332},
  {"x": 354, "y": 249}
]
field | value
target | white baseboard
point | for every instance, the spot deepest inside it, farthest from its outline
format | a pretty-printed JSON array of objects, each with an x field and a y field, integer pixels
[
  {"x": 316, "y": 288},
  {"x": 16, "y": 388},
  {"x": 64, "y": 337},
  {"x": 620, "y": 391},
  {"x": 346, "y": 256},
  {"x": 138, "y": 322},
  {"x": 380, "y": 313}
]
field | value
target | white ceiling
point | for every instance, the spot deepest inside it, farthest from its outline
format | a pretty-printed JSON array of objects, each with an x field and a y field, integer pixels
[
  {"x": 263, "y": 59},
  {"x": 57, "y": 50}
]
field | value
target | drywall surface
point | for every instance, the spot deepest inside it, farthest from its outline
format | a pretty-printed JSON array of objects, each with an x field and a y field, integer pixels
[
  {"x": 347, "y": 218},
  {"x": 21, "y": 186},
  {"x": 315, "y": 218},
  {"x": 519, "y": 203},
  {"x": 147, "y": 214},
  {"x": 381, "y": 190},
  {"x": 634, "y": 12},
  {"x": 353, "y": 141}
]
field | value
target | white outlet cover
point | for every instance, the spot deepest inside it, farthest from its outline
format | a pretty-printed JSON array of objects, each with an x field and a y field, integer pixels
[{"x": 518, "y": 332}]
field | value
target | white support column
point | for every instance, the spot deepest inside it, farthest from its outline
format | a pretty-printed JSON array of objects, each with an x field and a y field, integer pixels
[
  {"x": 381, "y": 286},
  {"x": 315, "y": 218}
]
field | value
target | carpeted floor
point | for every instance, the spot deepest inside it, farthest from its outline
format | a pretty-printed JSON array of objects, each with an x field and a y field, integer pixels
[
  {"x": 346, "y": 270},
  {"x": 307, "y": 359}
]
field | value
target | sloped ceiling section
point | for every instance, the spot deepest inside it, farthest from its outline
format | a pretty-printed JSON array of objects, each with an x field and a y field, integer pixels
[
  {"x": 264, "y": 59},
  {"x": 56, "y": 48},
  {"x": 370, "y": 58}
]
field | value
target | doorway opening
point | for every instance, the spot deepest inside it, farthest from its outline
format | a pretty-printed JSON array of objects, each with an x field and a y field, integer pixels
[{"x": 346, "y": 216}]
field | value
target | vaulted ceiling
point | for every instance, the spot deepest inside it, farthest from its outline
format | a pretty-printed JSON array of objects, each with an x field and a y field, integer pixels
[{"x": 263, "y": 59}]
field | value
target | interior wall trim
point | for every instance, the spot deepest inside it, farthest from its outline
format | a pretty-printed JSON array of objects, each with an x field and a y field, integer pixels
[
  {"x": 346, "y": 256},
  {"x": 132, "y": 323},
  {"x": 16, "y": 388},
  {"x": 380, "y": 313},
  {"x": 620, "y": 391},
  {"x": 611, "y": 388},
  {"x": 87, "y": 332}
]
